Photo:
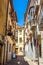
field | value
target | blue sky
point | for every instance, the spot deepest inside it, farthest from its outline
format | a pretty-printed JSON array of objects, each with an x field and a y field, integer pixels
[{"x": 20, "y": 8}]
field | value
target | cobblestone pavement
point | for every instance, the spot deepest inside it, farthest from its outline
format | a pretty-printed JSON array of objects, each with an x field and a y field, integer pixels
[{"x": 18, "y": 61}]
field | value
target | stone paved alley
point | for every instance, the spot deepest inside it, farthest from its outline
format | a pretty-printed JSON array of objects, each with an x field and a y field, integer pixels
[{"x": 18, "y": 61}]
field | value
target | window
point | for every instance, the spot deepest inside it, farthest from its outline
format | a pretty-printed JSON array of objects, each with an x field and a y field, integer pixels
[
  {"x": 42, "y": 7},
  {"x": 32, "y": 11},
  {"x": 29, "y": 17},
  {"x": 20, "y": 30},
  {"x": 20, "y": 48},
  {"x": 16, "y": 34},
  {"x": 20, "y": 39},
  {"x": 37, "y": 1},
  {"x": 16, "y": 39}
]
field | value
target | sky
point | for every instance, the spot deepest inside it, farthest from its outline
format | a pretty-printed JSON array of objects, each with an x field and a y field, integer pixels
[{"x": 20, "y": 8}]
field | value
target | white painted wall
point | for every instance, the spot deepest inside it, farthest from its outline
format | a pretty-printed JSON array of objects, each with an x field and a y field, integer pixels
[{"x": 42, "y": 44}]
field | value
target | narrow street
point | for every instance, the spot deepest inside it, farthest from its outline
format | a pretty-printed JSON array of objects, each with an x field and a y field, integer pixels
[
  {"x": 21, "y": 32},
  {"x": 18, "y": 61}
]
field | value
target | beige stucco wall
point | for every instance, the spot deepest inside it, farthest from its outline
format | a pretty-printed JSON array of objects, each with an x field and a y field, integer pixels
[
  {"x": 3, "y": 10},
  {"x": 8, "y": 48},
  {"x": 2, "y": 55},
  {"x": 9, "y": 52},
  {"x": 42, "y": 44}
]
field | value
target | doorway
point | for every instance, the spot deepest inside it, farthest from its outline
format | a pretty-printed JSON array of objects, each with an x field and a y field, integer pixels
[
  {"x": 0, "y": 53},
  {"x": 16, "y": 51},
  {"x": 40, "y": 50}
]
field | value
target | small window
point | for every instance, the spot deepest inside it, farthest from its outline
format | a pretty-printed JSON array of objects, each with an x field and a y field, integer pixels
[
  {"x": 20, "y": 39},
  {"x": 16, "y": 39},
  {"x": 16, "y": 35},
  {"x": 20, "y": 30},
  {"x": 20, "y": 48},
  {"x": 37, "y": 1},
  {"x": 9, "y": 47}
]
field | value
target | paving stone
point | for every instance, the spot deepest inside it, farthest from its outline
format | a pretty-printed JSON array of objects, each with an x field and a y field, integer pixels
[{"x": 18, "y": 61}]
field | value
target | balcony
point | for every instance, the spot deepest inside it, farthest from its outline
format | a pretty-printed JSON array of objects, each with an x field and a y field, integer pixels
[
  {"x": 38, "y": 33},
  {"x": 29, "y": 35},
  {"x": 33, "y": 24},
  {"x": 10, "y": 11},
  {"x": 37, "y": 2},
  {"x": 13, "y": 36},
  {"x": 9, "y": 32},
  {"x": 41, "y": 25},
  {"x": 37, "y": 9},
  {"x": 11, "y": 15}
]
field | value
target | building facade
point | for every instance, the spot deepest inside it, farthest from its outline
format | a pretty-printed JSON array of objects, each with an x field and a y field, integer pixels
[
  {"x": 19, "y": 48},
  {"x": 8, "y": 19},
  {"x": 10, "y": 32},
  {"x": 33, "y": 18},
  {"x": 3, "y": 11}
]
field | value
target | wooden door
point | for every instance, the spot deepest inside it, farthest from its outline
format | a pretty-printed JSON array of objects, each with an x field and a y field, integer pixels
[{"x": 16, "y": 50}]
